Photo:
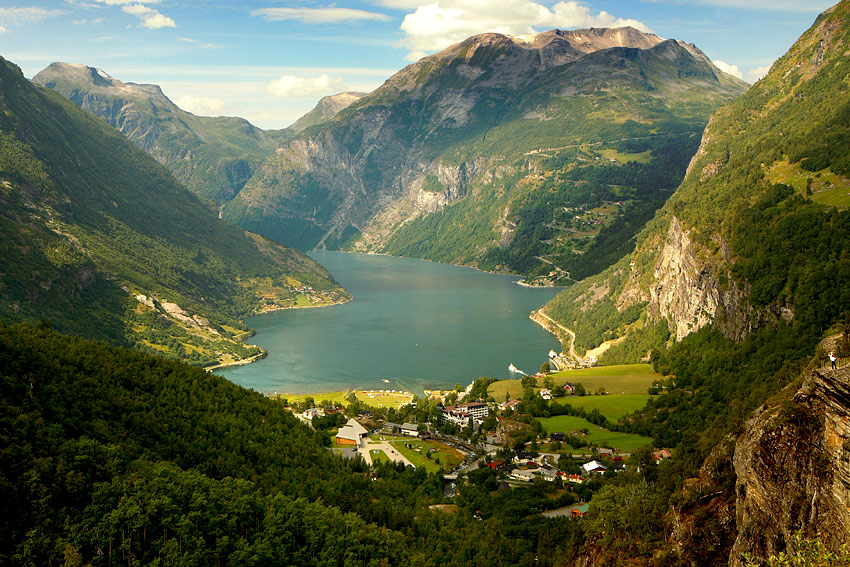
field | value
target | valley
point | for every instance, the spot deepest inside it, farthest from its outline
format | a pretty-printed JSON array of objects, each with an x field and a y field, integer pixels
[{"x": 169, "y": 394}]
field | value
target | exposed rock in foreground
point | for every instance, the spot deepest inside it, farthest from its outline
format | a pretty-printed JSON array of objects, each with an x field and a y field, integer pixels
[{"x": 793, "y": 468}]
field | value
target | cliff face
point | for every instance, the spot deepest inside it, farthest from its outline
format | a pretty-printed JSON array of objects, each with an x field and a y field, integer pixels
[
  {"x": 326, "y": 109},
  {"x": 690, "y": 288},
  {"x": 793, "y": 469}
]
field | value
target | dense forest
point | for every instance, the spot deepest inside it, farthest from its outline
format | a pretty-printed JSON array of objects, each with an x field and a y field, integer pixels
[{"x": 112, "y": 457}]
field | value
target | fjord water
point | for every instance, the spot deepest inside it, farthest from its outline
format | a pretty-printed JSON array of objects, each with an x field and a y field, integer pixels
[{"x": 418, "y": 324}]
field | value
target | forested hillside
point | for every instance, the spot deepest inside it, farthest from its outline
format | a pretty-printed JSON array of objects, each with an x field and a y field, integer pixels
[
  {"x": 526, "y": 155},
  {"x": 102, "y": 241},
  {"x": 112, "y": 456}
]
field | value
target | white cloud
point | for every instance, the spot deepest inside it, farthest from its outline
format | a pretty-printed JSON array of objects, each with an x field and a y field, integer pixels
[
  {"x": 318, "y": 15},
  {"x": 3, "y": 29},
  {"x": 202, "y": 105},
  {"x": 151, "y": 18},
  {"x": 84, "y": 22},
  {"x": 124, "y": 2},
  {"x": 436, "y": 26},
  {"x": 728, "y": 68},
  {"x": 290, "y": 86},
  {"x": 203, "y": 44},
  {"x": 754, "y": 75},
  {"x": 30, "y": 15}
]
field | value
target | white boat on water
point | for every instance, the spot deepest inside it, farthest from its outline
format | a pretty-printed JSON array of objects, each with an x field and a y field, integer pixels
[{"x": 514, "y": 369}]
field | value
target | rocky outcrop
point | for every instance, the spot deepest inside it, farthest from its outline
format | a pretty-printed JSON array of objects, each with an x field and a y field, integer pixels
[
  {"x": 793, "y": 469},
  {"x": 688, "y": 291}
]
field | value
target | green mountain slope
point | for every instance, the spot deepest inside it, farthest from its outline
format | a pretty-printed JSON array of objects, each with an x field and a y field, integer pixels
[
  {"x": 101, "y": 240},
  {"x": 514, "y": 155},
  {"x": 213, "y": 157},
  {"x": 738, "y": 286},
  {"x": 755, "y": 233}
]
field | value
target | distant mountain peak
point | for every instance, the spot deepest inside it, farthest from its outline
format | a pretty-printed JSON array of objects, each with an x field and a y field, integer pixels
[
  {"x": 327, "y": 107},
  {"x": 95, "y": 81}
]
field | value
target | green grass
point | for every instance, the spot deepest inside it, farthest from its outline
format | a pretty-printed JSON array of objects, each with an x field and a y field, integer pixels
[
  {"x": 596, "y": 435},
  {"x": 619, "y": 379},
  {"x": 642, "y": 157},
  {"x": 449, "y": 458},
  {"x": 378, "y": 456},
  {"x": 612, "y": 406},
  {"x": 828, "y": 188},
  {"x": 335, "y": 397}
]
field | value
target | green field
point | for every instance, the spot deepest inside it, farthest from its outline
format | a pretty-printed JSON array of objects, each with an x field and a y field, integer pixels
[
  {"x": 620, "y": 379},
  {"x": 612, "y": 406},
  {"x": 335, "y": 397},
  {"x": 378, "y": 456},
  {"x": 449, "y": 458},
  {"x": 596, "y": 435}
]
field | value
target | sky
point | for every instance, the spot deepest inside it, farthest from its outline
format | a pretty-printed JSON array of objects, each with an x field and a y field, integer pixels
[{"x": 270, "y": 61}]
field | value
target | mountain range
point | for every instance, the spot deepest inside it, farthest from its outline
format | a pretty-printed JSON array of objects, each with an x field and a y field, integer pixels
[
  {"x": 507, "y": 153},
  {"x": 212, "y": 156},
  {"x": 102, "y": 241},
  {"x": 529, "y": 155}
]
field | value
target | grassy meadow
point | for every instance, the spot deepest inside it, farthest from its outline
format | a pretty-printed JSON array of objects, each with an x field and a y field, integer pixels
[
  {"x": 597, "y": 435},
  {"x": 619, "y": 379}
]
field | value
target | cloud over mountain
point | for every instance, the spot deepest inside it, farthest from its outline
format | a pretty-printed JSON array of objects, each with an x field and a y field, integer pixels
[{"x": 432, "y": 27}]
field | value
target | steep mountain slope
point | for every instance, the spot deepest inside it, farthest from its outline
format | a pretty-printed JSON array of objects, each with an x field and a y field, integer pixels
[
  {"x": 496, "y": 151},
  {"x": 732, "y": 288},
  {"x": 212, "y": 156},
  {"x": 102, "y": 241},
  {"x": 757, "y": 231},
  {"x": 326, "y": 109}
]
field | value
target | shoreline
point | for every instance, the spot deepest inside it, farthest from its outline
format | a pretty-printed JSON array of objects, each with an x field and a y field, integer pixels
[
  {"x": 265, "y": 353},
  {"x": 240, "y": 362},
  {"x": 293, "y": 307}
]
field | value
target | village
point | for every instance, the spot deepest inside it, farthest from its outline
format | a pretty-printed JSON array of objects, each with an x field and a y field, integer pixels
[{"x": 555, "y": 435}]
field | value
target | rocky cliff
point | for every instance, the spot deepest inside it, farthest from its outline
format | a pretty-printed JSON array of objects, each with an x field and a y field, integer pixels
[
  {"x": 326, "y": 109},
  {"x": 793, "y": 469}
]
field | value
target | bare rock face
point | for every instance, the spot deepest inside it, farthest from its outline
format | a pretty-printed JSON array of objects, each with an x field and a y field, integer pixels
[
  {"x": 793, "y": 469},
  {"x": 690, "y": 288}
]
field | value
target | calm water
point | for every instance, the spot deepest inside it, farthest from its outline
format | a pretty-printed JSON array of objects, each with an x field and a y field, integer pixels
[{"x": 418, "y": 324}]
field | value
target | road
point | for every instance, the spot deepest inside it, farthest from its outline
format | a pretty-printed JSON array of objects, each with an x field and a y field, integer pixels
[{"x": 572, "y": 335}]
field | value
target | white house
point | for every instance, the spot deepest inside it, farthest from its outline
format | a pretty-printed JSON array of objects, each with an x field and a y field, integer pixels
[
  {"x": 594, "y": 467},
  {"x": 519, "y": 474},
  {"x": 410, "y": 429}
]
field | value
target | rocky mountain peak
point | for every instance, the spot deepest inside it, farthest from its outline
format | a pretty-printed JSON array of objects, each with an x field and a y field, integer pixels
[
  {"x": 328, "y": 107},
  {"x": 95, "y": 81}
]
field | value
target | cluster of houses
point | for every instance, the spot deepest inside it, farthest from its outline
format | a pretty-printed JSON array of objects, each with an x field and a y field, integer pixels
[{"x": 543, "y": 467}]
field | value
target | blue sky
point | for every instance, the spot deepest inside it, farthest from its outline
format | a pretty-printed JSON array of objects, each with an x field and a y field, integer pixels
[{"x": 271, "y": 60}]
